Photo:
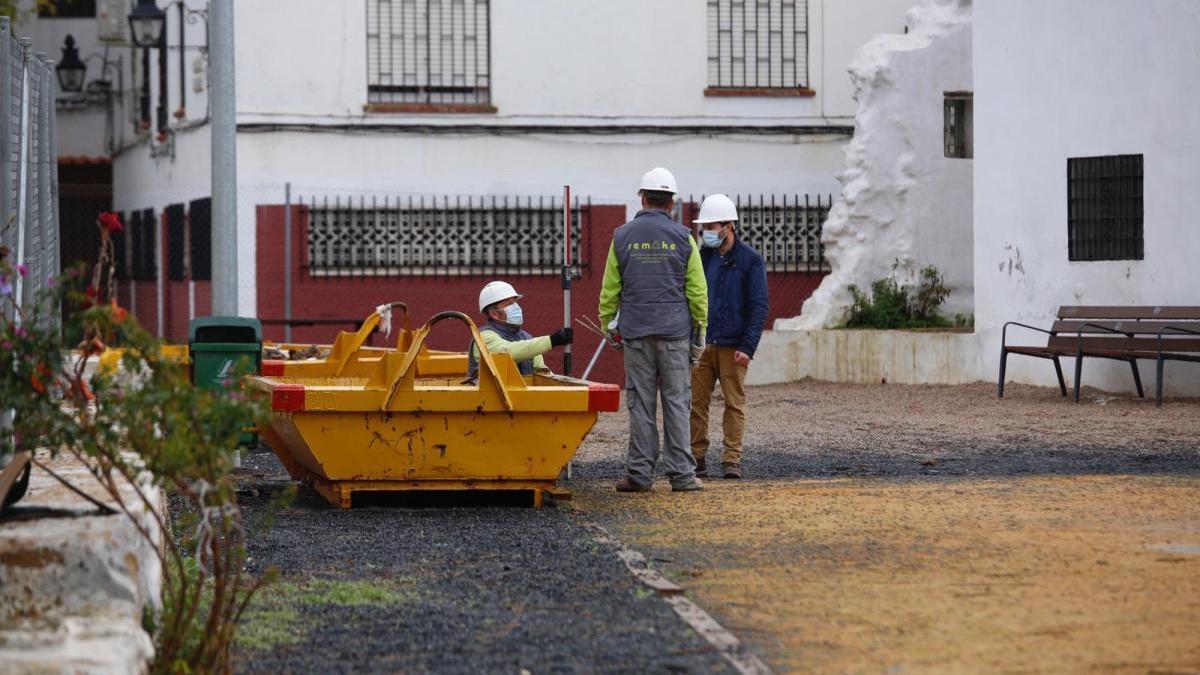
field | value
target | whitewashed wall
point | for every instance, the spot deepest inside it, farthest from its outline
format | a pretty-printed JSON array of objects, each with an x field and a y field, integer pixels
[
  {"x": 80, "y": 132},
  {"x": 1075, "y": 78},
  {"x": 552, "y": 60}
]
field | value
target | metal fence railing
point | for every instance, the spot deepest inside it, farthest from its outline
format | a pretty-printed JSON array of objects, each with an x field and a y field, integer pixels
[
  {"x": 28, "y": 162},
  {"x": 438, "y": 236},
  {"x": 785, "y": 229}
]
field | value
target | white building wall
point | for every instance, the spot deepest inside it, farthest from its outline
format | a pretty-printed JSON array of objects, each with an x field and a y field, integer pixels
[
  {"x": 80, "y": 132},
  {"x": 1075, "y": 78}
]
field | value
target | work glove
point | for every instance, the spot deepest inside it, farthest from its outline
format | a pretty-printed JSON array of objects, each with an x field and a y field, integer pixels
[
  {"x": 563, "y": 336},
  {"x": 697, "y": 344},
  {"x": 613, "y": 338}
]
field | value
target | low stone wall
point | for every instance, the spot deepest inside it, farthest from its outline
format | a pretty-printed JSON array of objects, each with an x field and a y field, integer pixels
[
  {"x": 867, "y": 356},
  {"x": 73, "y": 584}
]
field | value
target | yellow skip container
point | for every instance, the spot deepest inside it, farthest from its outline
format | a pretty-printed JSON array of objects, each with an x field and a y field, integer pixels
[{"x": 404, "y": 419}]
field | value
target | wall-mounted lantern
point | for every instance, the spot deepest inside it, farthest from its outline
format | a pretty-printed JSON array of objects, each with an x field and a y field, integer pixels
[
  {"x": 71, "y": 69},
  {"x": 146, "y": 24}
]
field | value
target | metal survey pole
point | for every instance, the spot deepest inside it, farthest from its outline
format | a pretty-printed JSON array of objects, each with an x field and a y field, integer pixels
[
  {"x": 287, "y": 262},
  {"x": 566, "y": 274},
  {"x": 224, "y": 159}
]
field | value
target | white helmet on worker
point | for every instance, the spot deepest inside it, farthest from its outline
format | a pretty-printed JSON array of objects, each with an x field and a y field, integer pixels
[
  {"x": 717, "y": 209},
  {"x": 659, "y": 179},
  {"x": 496, "y": 291}
]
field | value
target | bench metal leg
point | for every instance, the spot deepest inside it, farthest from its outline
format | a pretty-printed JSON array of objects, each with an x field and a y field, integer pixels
[
  {"x": 1137, "y": 378},
  {"x": 1078, "y": 374},
  {"x": 1003, "y": 363},
  {"x": 1062, "y": 385},
  {"x": 1159, "y": 384}
]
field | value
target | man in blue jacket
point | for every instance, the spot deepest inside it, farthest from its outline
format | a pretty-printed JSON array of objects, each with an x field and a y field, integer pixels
[{"x": 737, "y": 311}]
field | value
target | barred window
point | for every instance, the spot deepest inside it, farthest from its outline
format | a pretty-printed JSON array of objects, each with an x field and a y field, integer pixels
[
  {"x": 443, "y": 236},
  {"x": 785, "y": 229},
  {"x": 1104, "y": 208},
  {"x": 428, "y": 52},
  {"x": 757, "y": 44}
]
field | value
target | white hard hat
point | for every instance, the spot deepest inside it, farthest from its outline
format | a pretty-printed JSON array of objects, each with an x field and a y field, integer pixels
[
  {"x": 496, "y": 291},
  {"x": 659, "y": 180},
  {"x": 716, "y": 209}
]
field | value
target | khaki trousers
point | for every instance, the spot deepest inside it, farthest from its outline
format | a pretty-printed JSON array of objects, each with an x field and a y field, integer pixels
[{"x": 717, "y": 364}]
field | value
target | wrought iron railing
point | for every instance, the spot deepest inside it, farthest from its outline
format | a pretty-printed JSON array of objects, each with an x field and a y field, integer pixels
[
  {"x": 428, "y": 51},
  {"x": 757, "y": 44},
  {"x": 443, "y": 236},
  {"x": 785, "y": 229}
]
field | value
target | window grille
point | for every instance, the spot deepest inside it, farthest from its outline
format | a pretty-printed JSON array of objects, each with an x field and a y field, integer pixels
[
  {"x": 785, "y": 229},
  {"x": 68, "y": 9},
  {"x": 1104, "y": 208},
  {"x": 758, "y": 44},
  {"x": 443, "y": 236},
  {"x": 428, "y": 51},
  {"x": 958, "y": 123}
]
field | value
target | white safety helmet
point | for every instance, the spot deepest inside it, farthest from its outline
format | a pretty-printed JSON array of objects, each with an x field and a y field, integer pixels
[
  {"x": 659, "y": 179},
  {"x": 716, "y": 209},
  {"x": 496, "y": 291}
]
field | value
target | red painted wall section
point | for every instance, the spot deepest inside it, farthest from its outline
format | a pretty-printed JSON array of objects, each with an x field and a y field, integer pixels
[
  {"x": 352, "y": 298},
  {"x": 141, "y": 298}
]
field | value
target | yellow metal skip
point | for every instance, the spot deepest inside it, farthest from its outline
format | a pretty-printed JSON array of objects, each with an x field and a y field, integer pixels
[{"x": 403, "y": 420}]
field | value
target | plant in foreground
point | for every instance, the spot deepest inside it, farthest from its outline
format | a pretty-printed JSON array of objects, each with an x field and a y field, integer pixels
[{"x": 136, "y": 428}]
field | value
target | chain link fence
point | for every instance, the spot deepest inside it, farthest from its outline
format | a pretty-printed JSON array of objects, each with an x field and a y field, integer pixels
[{"x": 28, "y": 163}]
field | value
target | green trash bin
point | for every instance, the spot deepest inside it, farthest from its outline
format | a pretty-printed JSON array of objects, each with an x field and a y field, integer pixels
[{"x": 221, "y": 345}]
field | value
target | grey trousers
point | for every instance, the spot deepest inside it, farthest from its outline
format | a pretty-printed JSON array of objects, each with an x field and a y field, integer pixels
[{"x": 653, "y": 365}]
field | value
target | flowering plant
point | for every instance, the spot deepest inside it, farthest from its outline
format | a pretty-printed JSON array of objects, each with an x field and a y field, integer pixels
[{"x": 140, "y": 426}]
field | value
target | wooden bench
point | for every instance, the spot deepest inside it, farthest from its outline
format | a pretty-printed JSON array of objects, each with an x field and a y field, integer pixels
[{"x": 1125, "y": 334}]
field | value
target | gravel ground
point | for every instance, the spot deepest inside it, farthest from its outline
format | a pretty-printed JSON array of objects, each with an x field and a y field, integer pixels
[
  {"x": 478, "y": 587},
  {"x": 818, "y": 429}
]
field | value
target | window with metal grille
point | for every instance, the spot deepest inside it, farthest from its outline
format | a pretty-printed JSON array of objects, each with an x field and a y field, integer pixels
[
  {"x": 443, "y": 236},
  {"x": 757, "y": 44},
  {"x": 428, "y": 51},
  {"x": 68, "y": 9},
  {"x": 1104, "y": 208},
  {"x": 785, "y": 229},
  {"x": 958, "y": 124}
]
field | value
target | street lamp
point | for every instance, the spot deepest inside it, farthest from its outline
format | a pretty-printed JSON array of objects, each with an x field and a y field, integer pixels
[
  {"x": 71, "y": 69},
  {"x": 146, "y": 23}
]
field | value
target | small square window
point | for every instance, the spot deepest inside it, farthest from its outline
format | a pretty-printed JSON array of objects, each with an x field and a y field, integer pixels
[
  {"x": 958, "y": 125},
  {"x": 1104, "y": 208},
  {"x": 68, "y": 9}
]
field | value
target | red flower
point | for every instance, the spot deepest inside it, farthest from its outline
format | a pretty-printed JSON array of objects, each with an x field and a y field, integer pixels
[
  {"x": 111, "y": 222},
  {"x": 90, "y": 295},
  {"x": 118, "y": 312}
]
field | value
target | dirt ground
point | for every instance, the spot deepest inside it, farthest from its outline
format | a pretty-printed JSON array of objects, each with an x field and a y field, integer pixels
[{"x": 936, "y": 529}]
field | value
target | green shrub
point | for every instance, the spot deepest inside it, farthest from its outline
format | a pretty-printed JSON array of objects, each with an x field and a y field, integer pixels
[{"x": 893, "y": 305}]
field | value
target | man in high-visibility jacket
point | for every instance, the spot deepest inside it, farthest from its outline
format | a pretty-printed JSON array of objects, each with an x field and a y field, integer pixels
[
  {"x": 502, "y": 334},
  {"x": 655, "y": 278}
]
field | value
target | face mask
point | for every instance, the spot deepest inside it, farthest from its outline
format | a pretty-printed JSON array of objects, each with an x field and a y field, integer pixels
[
  {"x": 712, "y": 239},
  {"x": 513, "y": 315}
]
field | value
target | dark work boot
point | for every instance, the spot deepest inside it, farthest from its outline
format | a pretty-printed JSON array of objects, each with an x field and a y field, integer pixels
[
  {"x": 626, "y": 484},
  {"x": 701, "y": 467},
  {"x": 731, "y": 471}
]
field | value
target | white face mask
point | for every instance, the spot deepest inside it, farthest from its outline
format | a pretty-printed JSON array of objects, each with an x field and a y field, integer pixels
[{"x": 513, "y": 315}]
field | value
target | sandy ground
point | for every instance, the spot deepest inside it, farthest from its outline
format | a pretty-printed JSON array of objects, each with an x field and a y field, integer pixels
[{"x": 937, "y": 529}]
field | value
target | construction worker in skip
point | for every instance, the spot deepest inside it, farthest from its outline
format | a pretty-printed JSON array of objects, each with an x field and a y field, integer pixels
[
  {"x": 737, "y": 312},
  {"x": 502, "y": 332},
  {"x": 654, "y": 276}
]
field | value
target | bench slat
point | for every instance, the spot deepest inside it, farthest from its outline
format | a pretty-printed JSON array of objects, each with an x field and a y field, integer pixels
[
  {"x": 1116, "y": 343},
  {"x": 1128, "y": 312},
  {"x": 1125, "y": 326}
]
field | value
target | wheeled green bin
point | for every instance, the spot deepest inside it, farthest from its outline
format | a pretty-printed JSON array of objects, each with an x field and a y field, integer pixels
[{"x": 221, "y": 347}]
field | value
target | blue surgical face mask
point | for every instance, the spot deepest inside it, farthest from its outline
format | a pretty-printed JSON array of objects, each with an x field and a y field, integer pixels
[
  {"x": 513, "y": 315},
  {"x": 712, "y": 238}
]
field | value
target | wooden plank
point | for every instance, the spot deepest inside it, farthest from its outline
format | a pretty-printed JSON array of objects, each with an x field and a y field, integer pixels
[
  {"x": 1160, "y": 312},
  {"x": 12, "y": 470},
  {"x": 1116, "y": 343},
  {"x": 1125, "y": 326}
]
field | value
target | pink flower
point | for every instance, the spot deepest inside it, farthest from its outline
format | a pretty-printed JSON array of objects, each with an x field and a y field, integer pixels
[
  {"x": 20, "y": 332},
  {"x": 22, "y": 269}
]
